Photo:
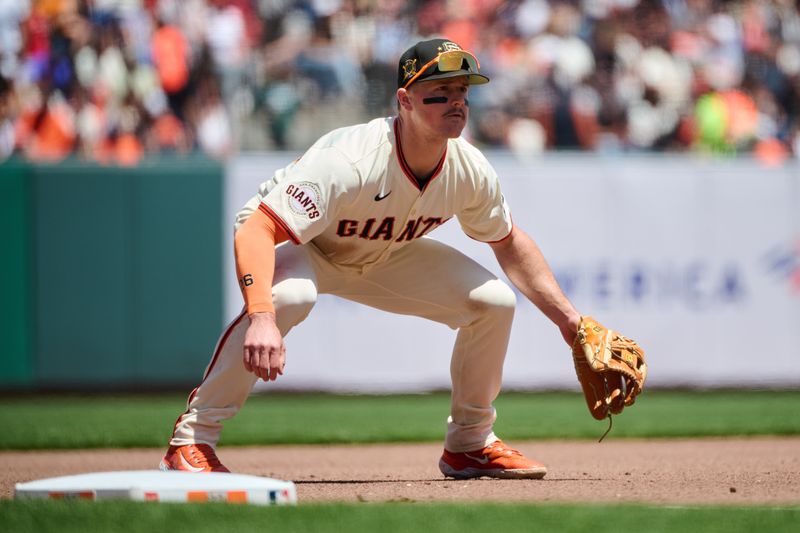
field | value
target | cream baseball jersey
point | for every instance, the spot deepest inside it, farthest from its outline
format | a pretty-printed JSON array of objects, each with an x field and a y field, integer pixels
[{"x": 352, "y": 195}]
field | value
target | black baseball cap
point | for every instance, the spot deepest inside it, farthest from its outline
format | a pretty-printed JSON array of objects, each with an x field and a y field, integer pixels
[{"x": 436, "y": 59}]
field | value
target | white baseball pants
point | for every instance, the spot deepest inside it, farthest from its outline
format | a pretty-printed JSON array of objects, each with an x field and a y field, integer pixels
[{"x": 425, "y": 278}]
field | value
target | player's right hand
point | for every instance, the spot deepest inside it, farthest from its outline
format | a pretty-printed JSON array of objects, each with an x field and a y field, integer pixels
[{"x": 264, "y": 352}]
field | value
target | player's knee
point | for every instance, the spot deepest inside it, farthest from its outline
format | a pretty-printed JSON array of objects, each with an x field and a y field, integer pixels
[
  {"x": 294, "y": 297},
  {"x": 494, "y": 297}
]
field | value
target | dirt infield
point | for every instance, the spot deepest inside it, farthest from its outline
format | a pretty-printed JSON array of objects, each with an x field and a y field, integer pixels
[{"x": 735, "y": 471}]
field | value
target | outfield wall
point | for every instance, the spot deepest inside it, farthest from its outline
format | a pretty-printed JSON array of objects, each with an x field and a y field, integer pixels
[
  {"x": 698, "y": 260},
  {"x": 109, "y": 276},
  {"x": 123, "y": 277}
]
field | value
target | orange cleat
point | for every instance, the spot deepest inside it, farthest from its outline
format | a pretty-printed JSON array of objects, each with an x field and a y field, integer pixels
[
  {"x": 496, "y": 460},
  {"x": 192, "y": 458}
]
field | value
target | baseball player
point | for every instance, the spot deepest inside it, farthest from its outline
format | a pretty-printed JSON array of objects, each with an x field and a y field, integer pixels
[{"x": 357, "y": 208}]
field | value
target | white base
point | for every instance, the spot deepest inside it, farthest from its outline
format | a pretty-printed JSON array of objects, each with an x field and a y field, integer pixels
[{"x": 154, "y": 485}]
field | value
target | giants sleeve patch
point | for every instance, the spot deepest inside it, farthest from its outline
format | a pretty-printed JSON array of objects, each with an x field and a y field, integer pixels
[{"x": 304, "y": 199}]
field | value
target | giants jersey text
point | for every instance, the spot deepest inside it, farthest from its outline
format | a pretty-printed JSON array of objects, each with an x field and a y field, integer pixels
[{"x": 352, "y": 195}]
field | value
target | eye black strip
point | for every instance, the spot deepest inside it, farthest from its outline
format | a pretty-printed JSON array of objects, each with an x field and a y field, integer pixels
[{"x": 435, "y": 100}]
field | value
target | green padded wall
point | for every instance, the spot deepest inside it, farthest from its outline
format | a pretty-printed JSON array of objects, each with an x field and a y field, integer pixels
[
  {"x": 84, "y": 294},
  {"x": 177, "y": 271},
  {"x": 124, "y": 274},
  {"x": 16, "y": 361}
]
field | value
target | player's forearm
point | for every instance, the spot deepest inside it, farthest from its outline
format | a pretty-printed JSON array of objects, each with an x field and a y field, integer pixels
[
  {"x": 254, "y": 246},
  {"x": 526, "y": 267},
  {"x": 541, "y": 288}
]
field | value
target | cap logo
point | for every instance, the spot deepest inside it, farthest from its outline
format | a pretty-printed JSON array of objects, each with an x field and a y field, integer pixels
[
  {"x": 409, "y": 68},
  {"x": 449, "y": 46}
]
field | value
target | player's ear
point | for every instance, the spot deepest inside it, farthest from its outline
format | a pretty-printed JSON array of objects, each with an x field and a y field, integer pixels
[{"x": 403, "y": 99}]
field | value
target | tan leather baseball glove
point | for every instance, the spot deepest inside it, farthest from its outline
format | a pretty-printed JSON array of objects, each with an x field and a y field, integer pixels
[{"x": 610, "y": 368}]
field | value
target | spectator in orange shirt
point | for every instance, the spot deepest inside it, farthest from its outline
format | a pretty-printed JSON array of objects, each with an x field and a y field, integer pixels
[
  {"x": 171, "y": 53},
  {"x": 54, "y": 131}
]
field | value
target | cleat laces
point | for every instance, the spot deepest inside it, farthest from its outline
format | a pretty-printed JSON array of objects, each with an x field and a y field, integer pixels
[
  {"x": 206, "y": 459},
  {"x": 497, "y": 449}
]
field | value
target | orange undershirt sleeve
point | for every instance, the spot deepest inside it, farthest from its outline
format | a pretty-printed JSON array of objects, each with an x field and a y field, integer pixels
[{"x": 254, "y": 248}]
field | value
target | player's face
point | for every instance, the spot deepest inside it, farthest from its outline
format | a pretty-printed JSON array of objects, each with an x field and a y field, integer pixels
[{"x": 442, "y": 105}]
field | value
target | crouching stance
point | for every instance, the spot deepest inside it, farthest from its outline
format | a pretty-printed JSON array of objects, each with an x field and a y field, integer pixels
[{"x": 351, "y": 218}]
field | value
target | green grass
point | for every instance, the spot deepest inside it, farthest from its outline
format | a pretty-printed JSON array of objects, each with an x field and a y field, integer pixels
[
  {"x": 69, "y": 421},
  {"x": 80, "y": 517}
]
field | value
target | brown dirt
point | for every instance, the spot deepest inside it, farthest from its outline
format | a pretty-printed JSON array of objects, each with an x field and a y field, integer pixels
[{"x": 763, "y": 470}]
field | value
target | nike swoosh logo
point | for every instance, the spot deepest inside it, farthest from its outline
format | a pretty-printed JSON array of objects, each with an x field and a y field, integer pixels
[
  {"x": 378, "y": 196},
  {"x": 482, "y": 459},
  {"x": 189, "y": 467}
]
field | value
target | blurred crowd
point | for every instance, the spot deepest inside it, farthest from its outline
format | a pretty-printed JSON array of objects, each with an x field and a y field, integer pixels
[{"x": 113, "y": 80}]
